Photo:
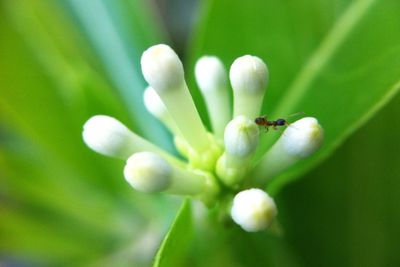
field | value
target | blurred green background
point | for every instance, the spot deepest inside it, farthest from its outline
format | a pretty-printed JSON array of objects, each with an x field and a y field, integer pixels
[{"x": 64, "y": 61}]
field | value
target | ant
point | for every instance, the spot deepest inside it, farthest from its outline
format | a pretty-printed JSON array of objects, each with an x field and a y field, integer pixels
[{"x": 263, "y": 121}]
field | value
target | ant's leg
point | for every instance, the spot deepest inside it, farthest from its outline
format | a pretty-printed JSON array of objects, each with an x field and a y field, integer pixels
[
  {"x": 266, "y": 129},
  {"x": 274, "y": 127}
]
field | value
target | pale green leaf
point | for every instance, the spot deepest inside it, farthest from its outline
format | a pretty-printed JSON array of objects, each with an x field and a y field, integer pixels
[{"x": 175, "y": 243}]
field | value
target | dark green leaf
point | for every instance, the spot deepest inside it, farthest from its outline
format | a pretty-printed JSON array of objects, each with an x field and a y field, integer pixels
[
  {"x": 346, "y": 212},
  {"x": 338, "y": 61}
]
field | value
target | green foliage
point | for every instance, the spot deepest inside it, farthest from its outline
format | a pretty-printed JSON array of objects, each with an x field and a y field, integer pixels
[
  {"x": 346, "y": 210},
  {"x": 177, "y": 240},
  {"x": 63, "y": 61},
  {"x": 325, "y": 58},
  {"x": 61, "y": 203}
]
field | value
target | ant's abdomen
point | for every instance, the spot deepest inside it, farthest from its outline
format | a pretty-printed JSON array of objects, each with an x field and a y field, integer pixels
[{"x": 280, "y": 122}]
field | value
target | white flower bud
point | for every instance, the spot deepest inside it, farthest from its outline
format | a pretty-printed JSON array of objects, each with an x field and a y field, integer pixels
[
  {"x": 241, "y": 137},
  {"x": 299, "y": 140},
  {"x": 211, "y": 77},
  {"x": 210, "y": 74},
  {"x": 253, "y": 209},
  {"x": 303, "y": 137},
  {"x": 241, "y": 140},
  {"x": 249, "y": 74},
  {"x": 107, "y": 136},
  {"x": 110, "y": 137},
  {"x": 162, "y": 68},
  {"x": 249, "y": 78},
  {"x": 148, "y": 172}
]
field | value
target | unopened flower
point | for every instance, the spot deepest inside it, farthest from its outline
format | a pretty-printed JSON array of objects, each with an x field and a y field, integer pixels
[
  {"x": 302, "y": 138},
  {"x": 253, "y": 210},
  {"x": 219, "y": 163},
  {"x": 162, "y": 68},
  {"x": 211, "y": 78},
  {"x": 299, "y": 140},
  {"x": 110, "y": 137},
  {"x": 241, "y": 140},
  {"x": 148, "y": 172},
  {"x": 249, "y": 78},
  {"x": 241, "y": 137}
]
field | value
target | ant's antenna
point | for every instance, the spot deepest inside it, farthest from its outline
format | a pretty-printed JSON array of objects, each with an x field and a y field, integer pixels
[
  {"x": 288, "y": 124},
  {"x": 296, "y": 114}
]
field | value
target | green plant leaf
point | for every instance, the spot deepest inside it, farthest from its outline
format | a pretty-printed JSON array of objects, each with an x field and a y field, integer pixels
[
  {"x": 226, "y": 244},
  {"x": 338, "y": 61},
  {"x": 46, "y": 103},
  {"x": 176, "y": 241},
  {"x": 51, "y": 82},
  {"x": 347, "y": 208},
  {"x": 106, "y": 18}
]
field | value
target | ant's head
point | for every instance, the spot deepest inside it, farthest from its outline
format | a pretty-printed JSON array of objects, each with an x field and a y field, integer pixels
[{"x": 259, "y": 120}]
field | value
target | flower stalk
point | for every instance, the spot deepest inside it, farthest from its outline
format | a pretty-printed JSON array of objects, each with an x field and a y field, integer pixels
[{"x": 156, "y": 107}]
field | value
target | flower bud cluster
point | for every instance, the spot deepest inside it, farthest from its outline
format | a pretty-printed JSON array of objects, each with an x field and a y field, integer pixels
[{"x": 219, "y": 162}]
